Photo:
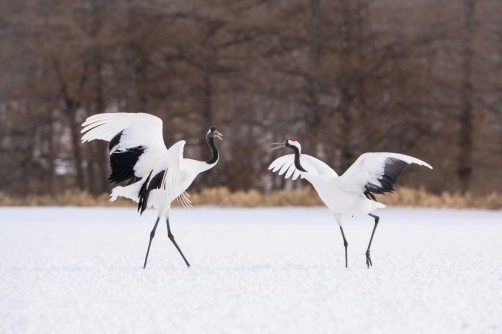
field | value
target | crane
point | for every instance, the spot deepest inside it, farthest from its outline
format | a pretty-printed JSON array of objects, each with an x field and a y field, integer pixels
[
  {"x": 351, "y": 193},
  {"x": 155, "y": 175}
]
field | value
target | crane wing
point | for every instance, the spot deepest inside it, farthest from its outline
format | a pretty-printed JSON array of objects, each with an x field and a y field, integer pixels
[
  {"x": 312, "y": 166},
  {"x": 376, "y": 173},
  {"x": 136, "y": 142},
  {"x": 166, "y": 176}
]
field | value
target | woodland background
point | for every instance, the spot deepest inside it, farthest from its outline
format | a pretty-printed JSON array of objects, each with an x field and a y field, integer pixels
[{"x": 344, "y": 77}]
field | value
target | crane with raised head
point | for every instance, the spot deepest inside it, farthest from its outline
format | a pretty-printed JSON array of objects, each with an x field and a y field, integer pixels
[
  {"x": 155, "y": 175},
  {"x": 351, "y": 193}
]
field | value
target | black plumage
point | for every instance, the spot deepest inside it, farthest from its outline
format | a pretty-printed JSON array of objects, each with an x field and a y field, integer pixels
[
  {"x": 214, "y": 158},
  {"x": 115, "y": 140},
  {"x": 149, "y": 185},
  {"x": 392, "y": 171},
  {"x": 122, "y": 164},
  {"x": 156, "y": 181},
  {"x": 143, "y": 195}
]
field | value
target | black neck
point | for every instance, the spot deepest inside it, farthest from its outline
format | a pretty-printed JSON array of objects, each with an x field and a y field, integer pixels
[
  {"x": 214, "y": 158},
  {"x": 298, "y": 165}
]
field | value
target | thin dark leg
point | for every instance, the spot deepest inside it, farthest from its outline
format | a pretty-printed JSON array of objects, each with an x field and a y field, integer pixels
[
  {"x": 171, "y": 236},
  {"x": 152, "y": 234},
  {"x": 345, "y": 243},
  {"x": 368, "y": 257}
]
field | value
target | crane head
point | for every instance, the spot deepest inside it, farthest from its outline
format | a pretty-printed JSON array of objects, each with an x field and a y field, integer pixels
[
  {"x": 213, "y": 133},
  {"x": 287, "y": 143}
]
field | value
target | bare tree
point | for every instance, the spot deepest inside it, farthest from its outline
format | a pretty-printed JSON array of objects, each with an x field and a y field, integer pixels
[
  {"x": 344, "y": 77},
  {"x": 464, "y": 169}
]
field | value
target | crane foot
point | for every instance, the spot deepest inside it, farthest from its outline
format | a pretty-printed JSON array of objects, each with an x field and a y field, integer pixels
[{"x": 368, "y": 260}]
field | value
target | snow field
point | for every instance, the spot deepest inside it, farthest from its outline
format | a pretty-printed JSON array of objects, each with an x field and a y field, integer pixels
[{"x": 274, "y": 270}]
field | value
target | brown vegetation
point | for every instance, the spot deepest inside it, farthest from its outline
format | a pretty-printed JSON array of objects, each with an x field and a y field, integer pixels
[
  {"x": 344, "y": 77},
  {"x": 303, "y": 197}
]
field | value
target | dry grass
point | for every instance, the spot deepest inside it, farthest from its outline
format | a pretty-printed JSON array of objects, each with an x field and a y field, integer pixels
[
  {"x": 70, "y": 198},
  {"x": 305, "y": 197}
]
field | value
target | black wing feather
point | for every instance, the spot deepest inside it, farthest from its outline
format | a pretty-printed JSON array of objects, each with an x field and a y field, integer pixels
[
  {"x": 115, "y": 141},
  {"x": 122, "y": 164},
  {"x": 144, "y": 192},
  {"x": 392, "y": 171}
]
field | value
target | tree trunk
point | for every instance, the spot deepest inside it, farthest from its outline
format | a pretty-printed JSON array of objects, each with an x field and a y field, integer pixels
[
  {"x": 131, "y": 55},
  {"x": 315, "y": 8},
  {"x": 102, "y": 147},
  {"x": 345, "y": 94},
  {"x": 52, "y": 167},
  {"x": 313, "y": 118},
  {"x": 101, "y": 182},
  {"x": 72, "y": 105},
  {"x": 207, "y": 90},
  {"x": 206, "y": 75},
  {"x": 464, "y": 168},
  {"x": 77, "y": 151},
  {"x": 347, "y": 150},
  {"x": 144, "y": 92}
]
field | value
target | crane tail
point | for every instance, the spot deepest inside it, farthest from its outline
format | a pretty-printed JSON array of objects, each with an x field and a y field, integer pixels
[
  {"x": 130, "y": 192},
  {"x": 185, "y": 200}
]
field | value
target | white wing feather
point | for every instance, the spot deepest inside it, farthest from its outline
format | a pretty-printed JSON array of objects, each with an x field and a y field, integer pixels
[
  {"x": 137, "y": 130},
  {"x": 286, "y": 164},
  {"x": 368, "y": 168},
  {"x": 170, "y": 162}
]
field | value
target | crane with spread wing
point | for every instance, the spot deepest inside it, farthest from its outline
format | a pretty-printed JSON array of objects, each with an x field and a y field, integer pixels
[{"x": 155, "y": 175}]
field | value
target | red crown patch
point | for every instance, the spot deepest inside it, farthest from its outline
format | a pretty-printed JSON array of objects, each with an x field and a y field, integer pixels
[{"x": 292, "y": 139}]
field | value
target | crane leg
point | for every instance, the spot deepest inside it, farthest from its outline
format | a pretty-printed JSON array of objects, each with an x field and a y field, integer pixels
[
  {"x": 368, "y": 257},
  {"x": 152, "y": 234},
  {"x": 171, "y": 236},
  {"x": 345, "y": 243}
]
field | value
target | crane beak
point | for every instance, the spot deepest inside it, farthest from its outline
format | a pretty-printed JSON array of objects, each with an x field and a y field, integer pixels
[
  {"x": 278, "y": 145},
  {"x": 218, "y": 135}
]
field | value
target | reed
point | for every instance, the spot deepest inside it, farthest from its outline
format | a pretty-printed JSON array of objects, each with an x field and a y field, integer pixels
[{"x": 304, "y": 197}]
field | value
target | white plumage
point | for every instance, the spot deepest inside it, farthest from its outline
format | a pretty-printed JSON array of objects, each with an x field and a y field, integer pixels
[
  {"x": 156, "y": 175},
  {"x": 313, "y": 165},
  {"x": 352, "y": 192},
  {"x": 137, "y": 130},
  {"x": 369, "y": 167}
]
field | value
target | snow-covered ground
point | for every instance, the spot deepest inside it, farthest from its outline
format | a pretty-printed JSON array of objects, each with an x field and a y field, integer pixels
[{"x": 279, "y": 270}]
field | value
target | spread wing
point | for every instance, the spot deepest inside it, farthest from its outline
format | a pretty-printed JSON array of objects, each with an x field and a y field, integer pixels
[
  {"x": 312, "y": 166},
  {"x": 136, "y": 142},
  {"x": 166, "y": 177},
  {"x": 376, "y": 173}
]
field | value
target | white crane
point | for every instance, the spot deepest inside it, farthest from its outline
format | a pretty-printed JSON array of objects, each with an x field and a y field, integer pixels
[
  {"x": 351, "y": 193},
  {"x": 156, "y": 175}
]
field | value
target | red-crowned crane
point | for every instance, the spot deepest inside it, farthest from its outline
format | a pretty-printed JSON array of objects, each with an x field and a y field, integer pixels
[
  {"x": 155, "y": 175},
  {"x": 351, "y": 193}
]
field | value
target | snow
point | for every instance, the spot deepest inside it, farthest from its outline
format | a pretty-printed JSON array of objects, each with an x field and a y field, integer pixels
[{"x": 273, "y": 270}]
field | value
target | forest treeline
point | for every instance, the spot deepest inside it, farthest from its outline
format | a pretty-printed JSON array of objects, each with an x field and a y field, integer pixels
[{"x": 343, "y": 77}]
